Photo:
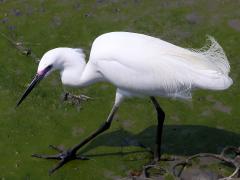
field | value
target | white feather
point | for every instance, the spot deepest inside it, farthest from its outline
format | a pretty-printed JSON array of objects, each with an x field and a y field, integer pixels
[
  {"x": 141, "y": 65},
  {"x": 145, "y": 65}
]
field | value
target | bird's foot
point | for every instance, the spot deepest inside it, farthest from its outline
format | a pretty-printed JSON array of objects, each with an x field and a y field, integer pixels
[
  {"x": 75, "y": 99},
  {"x": 62, "y": 156}
]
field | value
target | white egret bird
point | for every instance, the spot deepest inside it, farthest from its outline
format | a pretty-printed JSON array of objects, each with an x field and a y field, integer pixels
[{"x": 138, "y": 65}]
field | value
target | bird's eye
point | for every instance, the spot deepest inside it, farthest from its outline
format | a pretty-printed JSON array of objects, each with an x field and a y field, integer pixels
[{"x": 49, "y": 67}]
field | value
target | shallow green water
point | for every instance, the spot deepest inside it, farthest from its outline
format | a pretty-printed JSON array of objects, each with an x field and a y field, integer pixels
[{"x": 206, "y": 124}]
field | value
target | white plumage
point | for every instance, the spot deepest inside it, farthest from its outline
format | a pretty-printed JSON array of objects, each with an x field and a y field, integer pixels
[{"x": 139, "y": 65}]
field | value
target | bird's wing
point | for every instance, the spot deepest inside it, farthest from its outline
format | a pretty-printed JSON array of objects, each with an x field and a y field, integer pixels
[
  {"x": 146, "y": 78},
  {"x": 152, "y": 66}
]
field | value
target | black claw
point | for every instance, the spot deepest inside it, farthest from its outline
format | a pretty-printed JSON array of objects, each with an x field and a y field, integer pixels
[
  {"x": 60, "y": 164},
  {"x": 56, "y": 148},
  {"x": 37, "y": 155},
  {"x": 62, "y": 156},
  {"x": 82, "y": 158},
  {"x": 46, "y": 156}
]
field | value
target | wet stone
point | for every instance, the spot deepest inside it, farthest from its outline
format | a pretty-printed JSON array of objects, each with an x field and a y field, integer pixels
[
  {"x": 100, "y": 1},
  {"x": 87, "y": 15},
  {"x": 30, "y": 10},
  {"x": 234, "y": 24},
  {"x": 16, "y": 12},
  {"x": 11, "y": 27},
  {"x": 77, "y": 6},
  {"x": 193, "y": 18},
  {"x": 4, "y": 20},
  {"x": 42, "y": 9},
  {"x": 222, "y": 108},
  {"x": 56, "y": 21}
]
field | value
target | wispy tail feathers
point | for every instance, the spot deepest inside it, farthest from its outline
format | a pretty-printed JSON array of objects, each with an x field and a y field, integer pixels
[
  {"x": 214, "y": 55},
  {"x": 215, "y": 77}
]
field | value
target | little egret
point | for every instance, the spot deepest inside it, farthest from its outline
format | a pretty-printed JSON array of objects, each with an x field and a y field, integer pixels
[{"x": 138, "y": 65}]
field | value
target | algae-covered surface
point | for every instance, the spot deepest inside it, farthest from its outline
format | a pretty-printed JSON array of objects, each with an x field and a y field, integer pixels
[{"x": 208, "y": 123}]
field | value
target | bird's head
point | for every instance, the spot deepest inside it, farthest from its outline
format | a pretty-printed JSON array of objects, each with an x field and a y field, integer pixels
[{"x": 50, "y": 61}]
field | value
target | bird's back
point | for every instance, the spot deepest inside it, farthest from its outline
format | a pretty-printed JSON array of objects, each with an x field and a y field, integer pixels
[{"x": 147, "y": 65}]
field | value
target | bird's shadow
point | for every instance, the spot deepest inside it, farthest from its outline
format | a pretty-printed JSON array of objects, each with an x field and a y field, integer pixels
[{"x": 182, "y": 140}]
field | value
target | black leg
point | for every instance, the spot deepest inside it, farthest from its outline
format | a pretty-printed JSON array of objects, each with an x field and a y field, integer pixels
[
  {"x": 66, "y": 156},
  {"x": 160, "y": 117},
  {"x": 102, "y": 128}
]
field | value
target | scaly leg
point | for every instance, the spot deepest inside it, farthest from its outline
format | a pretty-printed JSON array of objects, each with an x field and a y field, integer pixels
[
  {"x": 157, "y": 151},
  {"x": 160, "y": 117},
  {"x": 71, "y": 154}
]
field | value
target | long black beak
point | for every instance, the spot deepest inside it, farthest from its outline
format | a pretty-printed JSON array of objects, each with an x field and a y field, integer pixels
[{"x": 33, "y": 84}]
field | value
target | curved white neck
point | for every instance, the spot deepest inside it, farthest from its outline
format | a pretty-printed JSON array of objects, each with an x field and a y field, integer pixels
[
  {"x": 71, "y": 65},
  {"x": 71, "y": 76}
]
